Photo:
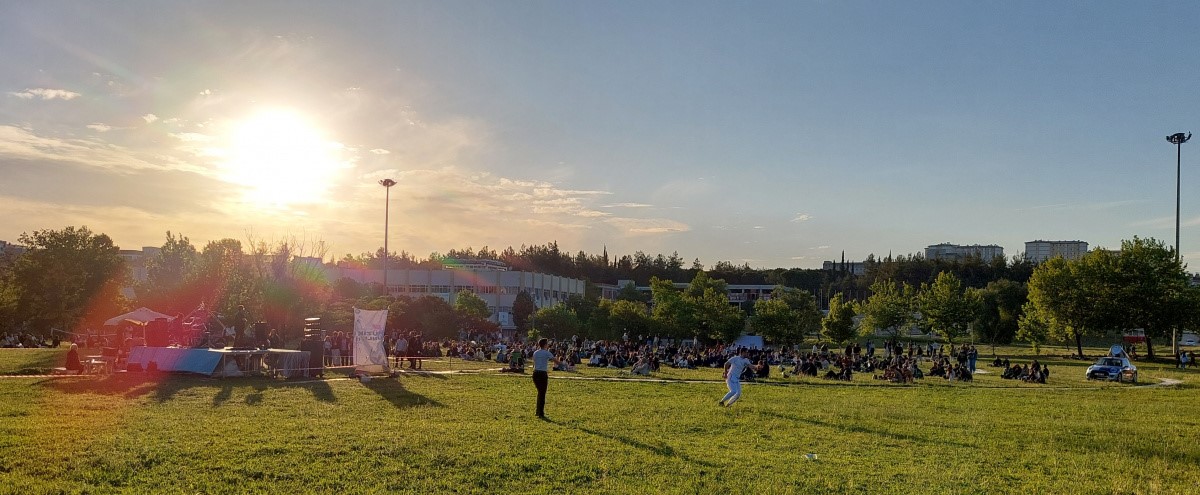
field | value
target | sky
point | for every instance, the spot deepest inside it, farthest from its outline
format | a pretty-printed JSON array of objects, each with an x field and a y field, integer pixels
[{"x": 777, "y": 134}]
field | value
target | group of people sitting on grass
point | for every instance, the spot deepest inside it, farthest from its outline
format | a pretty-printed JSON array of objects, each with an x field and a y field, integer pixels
[{"x": 1032, "y": 373}]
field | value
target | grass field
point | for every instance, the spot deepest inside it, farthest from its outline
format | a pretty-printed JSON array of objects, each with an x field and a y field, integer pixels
[{"x": 475, "y": 433}]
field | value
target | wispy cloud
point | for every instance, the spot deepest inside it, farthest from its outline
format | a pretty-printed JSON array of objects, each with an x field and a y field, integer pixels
[
  {"x": 23, "y": 144},
  {"x": 98, "y": 127},
  {"x": 45, "y": 94},
  {"x": 149, "y": 118},
  {"x": 380, "y": 151},
  {"x": 628, "y": 205},
  {"x": 802, "y": 217},
  {"x": 648, "y": 225}
]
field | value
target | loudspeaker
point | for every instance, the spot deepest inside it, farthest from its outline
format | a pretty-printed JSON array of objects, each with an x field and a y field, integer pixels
[
  {"x": 156, "y": 333},
  {"x": 316, "y": 356}
]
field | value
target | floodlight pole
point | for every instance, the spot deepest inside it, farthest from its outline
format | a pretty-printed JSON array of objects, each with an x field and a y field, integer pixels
[
  {"x": 1177, "y": 139},
  {"x": 387, "y": 203}
]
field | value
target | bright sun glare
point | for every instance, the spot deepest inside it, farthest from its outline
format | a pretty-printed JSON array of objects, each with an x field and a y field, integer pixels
[{"x": 281, "y": 158}]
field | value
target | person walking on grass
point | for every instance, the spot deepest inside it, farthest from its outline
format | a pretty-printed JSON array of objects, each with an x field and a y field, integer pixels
[
  {"x": 541, "y": 365},
  {"x": 734, "y": 368}
]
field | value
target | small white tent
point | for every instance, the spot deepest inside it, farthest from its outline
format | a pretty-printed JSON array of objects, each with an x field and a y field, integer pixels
[{"x": 140, "y": 316}]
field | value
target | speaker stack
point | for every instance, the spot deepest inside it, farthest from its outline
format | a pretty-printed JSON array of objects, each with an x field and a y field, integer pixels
[
  {"x": 314, "y": 343},
  {"x": 156, "y": 333}
]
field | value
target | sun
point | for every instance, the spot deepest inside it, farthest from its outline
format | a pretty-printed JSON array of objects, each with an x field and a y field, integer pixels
[{"x": 281, "y": 158}]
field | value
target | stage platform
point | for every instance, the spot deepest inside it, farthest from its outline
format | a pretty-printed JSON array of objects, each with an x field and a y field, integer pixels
[{"x": 222, "y": 362}]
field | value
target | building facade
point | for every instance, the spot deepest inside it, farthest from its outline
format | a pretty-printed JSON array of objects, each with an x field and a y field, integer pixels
[
  {"x": 854, "y": 267},
  {"x": 956, "y": 252},
  {"x": 1039, "y": 251},
  {"x": 498, "y": 288}
]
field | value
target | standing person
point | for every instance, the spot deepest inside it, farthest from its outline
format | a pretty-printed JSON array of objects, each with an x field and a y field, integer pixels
[
  {"x": 734, "y": 368},
  {"x": 541, "y": 377}
]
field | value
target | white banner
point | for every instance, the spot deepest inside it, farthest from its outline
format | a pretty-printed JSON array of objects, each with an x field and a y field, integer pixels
[{"x": 369, "y": 353}]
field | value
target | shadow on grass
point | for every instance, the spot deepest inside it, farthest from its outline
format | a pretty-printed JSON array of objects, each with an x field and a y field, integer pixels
[
  {"x": 400, "y": 397},
  {"x": 129, "y": 385},
  {"x": 661, "y": 449},
  {"x": 163, "y": 387},
  {"x": 870, "y": 431}
]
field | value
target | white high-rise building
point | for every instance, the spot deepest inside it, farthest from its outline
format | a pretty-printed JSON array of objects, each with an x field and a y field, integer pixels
[
  {"x": 947, "y": 251},
  {"x": 1039, "y": 251}
]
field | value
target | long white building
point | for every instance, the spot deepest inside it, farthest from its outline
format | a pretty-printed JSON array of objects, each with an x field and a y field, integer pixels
[
  {"x": 1039, "y": 251},
  {"x": 955, "y": 252}
]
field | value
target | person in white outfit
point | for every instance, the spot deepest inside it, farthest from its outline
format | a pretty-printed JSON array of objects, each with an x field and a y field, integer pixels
[{"x": 734, "y": 368}]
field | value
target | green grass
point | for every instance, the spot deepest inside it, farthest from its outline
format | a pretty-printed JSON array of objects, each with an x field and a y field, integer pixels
[{"x": 475, "y": 433}]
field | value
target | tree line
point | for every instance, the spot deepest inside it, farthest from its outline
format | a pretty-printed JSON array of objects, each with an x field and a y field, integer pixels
[{"x": 73, "y": 278}]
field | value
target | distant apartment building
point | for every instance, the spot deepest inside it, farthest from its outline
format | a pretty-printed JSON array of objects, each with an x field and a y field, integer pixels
[
  {"x": 1039, "y": 251},
  {"x": 956, "y": 252},
  {"x": 10, "y": 248},
  {"x": 135, "y": 260},
  {"x": 854, "y": 267}
]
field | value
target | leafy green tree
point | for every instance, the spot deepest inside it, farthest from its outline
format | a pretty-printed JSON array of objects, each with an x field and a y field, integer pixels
[
  {"x": 433, "y": 317},
  {"x": 1074, "y": 296},
  {"x": 1151, "y": 290},
  {"x": 225, "y": 279},
  {"x": 169, "y": 275},
  {"x": 1000, "y": 312},
  {"x": 630, "y": 317},
  {"x": 947, "y": 308},
  {"x": 787, "y": 317},
  {"x": 473, "y": 313},
  {"x": 1034, "y": 327},
  {"x": 702, "y": 309},
  {"x": 890, "y": 307},
  {"x": 557, "y": 322},
  {"x": 65, "y": 278},
  {"x": 838, "y": 325},
  {"x": 629, "y": 292},
  {"x": 523, "y": 308},
  {"x": 582, "y": 306},
  {"x": 675, "y": 312},
  {"x": 470, "y": 305}
]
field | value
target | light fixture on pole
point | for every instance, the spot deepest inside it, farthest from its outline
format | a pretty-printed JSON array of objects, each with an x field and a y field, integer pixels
[
  {"x": 1177, "y": 139},
  {"x": 387, "y": 202}
]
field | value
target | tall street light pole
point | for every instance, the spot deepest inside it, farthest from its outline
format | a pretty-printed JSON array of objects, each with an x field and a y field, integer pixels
[
  {"x": 387, "y": 203},
  {"x": 1177, "y": 139}
]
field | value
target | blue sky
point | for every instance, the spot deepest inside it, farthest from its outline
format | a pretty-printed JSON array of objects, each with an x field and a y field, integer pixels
[{"x": 773, "y": 133}]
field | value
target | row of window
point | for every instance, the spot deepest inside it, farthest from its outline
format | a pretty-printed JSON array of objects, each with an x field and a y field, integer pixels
[{"x": 490, "y": 289}]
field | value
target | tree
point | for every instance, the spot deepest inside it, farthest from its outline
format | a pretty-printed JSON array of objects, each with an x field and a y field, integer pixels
[
  {"x": 556, "y": 322},
  {"x": 838, "y": 325},
  {"x": 1070, "y": 299},
  {"x": 630, "y": 317},
  {"x": 65, "y": 277},
  {"x": 473, "y": 313},
  {"x": 523, "y": 308},
  {"x": 787, "y": 316},
  {"x": 890, "y": 307},
  {"x": 1150, "y": 290},
  {"x": 630, "y": 292},
  {"x": 1000, "y": 312},
  {"x": 1034, "y": 327},
  {"x": 702, "y": 309},
  {"x": 433, "y": 317},
  {"x": 225, "y": 280},
  {"x": 947, "y": 308},
  {"x": 169, "y": 273}
]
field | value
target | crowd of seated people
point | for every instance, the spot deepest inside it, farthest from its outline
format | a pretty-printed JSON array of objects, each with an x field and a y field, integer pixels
[{"x": 1032, "y": 373}]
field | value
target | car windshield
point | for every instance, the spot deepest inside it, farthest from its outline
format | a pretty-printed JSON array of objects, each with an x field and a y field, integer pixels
[{"x": 1109, "y": 362}]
